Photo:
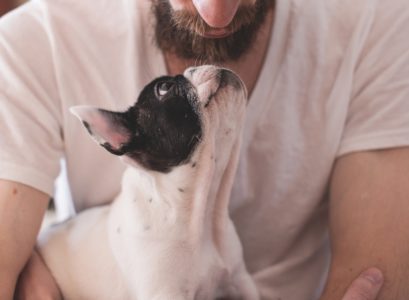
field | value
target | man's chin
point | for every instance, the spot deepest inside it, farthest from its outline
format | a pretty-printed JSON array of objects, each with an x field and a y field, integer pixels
[{"x": 207, "y": 45}]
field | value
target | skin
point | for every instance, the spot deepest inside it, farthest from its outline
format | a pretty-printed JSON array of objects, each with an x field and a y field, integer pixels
[
  {"x": 21, "y": 212},
  {"x": 368, "y": 215},
  {"x": 217, "y": 14}
]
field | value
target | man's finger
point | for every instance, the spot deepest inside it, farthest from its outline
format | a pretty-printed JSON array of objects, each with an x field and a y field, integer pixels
[{"x": 366, "y": 286}]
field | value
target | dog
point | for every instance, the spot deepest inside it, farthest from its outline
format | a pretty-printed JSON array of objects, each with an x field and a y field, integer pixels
[{"x": 168, "y": 234}]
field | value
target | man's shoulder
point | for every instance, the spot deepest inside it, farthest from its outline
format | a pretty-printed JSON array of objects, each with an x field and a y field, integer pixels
[
  {"x": 346, "y": 24},
  {"x": 73, "y": 16},
  {"x": 73, "y": 28}
]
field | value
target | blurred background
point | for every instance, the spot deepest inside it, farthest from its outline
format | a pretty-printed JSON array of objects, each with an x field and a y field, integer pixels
[{"x": 6, "y": 5}]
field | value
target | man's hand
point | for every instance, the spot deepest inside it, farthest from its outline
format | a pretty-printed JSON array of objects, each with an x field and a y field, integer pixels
[
  {"x": 366, "y": 286},
  {"x": 36, "y": 282}
]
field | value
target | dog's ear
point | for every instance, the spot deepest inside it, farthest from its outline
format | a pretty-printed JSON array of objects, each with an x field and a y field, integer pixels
[{"x": 109, "y": 129}]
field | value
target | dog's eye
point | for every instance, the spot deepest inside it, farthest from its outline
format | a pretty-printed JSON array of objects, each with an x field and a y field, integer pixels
[{"x": 163, "y": 87}]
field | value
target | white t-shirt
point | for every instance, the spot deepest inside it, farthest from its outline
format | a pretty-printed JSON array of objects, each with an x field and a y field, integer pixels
[{"x": 335, "y": 80}]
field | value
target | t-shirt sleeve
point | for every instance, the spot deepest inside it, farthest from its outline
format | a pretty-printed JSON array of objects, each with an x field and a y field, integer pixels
[
  {"x": 378, "y": 116},
  {"x": 30, "y": 132}
]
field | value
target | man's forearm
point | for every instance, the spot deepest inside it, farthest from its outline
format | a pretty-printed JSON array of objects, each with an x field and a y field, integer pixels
[
  {"x": 12, "y": 260},
  {"x": 369, "y": 221},
  {"x": 7, "y": 283},
  {"x": 21, "y": 212}
]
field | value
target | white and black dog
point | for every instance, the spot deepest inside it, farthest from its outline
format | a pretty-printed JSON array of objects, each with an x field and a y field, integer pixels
[{"x": 168, "y": 234}]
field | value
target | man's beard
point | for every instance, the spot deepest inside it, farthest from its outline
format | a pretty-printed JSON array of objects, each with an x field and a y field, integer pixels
[{"x": 180, "y": 32}]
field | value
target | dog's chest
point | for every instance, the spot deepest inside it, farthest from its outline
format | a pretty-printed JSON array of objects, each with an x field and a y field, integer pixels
[
  {"x": 152, "y": 245},
  {"x": 139, "y": 211}
]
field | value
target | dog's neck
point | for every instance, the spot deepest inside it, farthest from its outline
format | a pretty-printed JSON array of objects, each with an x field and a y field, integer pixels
[{"x": 194, "y": 196}]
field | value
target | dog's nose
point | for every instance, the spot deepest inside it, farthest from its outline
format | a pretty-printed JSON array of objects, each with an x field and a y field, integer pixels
[
  {"x": 209, "y": 79},
  {"x": 228, "y": 77},
  {"x": 192, "y": 70}
]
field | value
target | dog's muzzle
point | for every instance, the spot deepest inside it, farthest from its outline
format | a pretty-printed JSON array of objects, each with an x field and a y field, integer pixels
[{"x": 210, "y": 79}]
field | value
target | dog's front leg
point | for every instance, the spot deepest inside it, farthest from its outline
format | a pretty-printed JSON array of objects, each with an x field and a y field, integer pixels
[
  {"x": 247, "y": 287},
  {"x": 242, "y": 288}
]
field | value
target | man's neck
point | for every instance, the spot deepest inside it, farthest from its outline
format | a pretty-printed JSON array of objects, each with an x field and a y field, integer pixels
[{"x": 248, "y": 67}]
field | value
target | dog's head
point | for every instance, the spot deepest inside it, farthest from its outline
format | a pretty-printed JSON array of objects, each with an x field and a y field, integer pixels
[{"x": 172, "y": 117}]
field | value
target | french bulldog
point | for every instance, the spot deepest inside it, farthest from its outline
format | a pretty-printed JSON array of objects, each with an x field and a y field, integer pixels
[{"x": 168, "y": 234}]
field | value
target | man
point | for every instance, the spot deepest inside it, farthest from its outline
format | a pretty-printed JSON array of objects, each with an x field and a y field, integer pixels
[
  {"x": 327, "y": 127},
  {"x": 5, "y": 6}
]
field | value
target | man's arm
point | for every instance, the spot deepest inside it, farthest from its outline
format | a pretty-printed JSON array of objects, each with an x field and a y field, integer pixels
[
  {"x": 21, "y": 211},
  {"x": 369, "y": 221}
]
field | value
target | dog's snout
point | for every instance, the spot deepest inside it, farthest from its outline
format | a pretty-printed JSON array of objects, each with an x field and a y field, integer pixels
[
  {"x": 189, "y": 72},
  {"x": 227, "y": 77},
  {"x": 201, "y": 74},
  {"x": 209, "y": 79}
]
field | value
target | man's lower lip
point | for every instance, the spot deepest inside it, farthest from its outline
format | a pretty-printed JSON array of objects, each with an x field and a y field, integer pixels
[{"x": 216, "y": 33}]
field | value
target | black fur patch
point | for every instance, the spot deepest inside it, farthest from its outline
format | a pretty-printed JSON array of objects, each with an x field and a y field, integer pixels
[
  {"x": 87, "y": 127},
  {"x": 165, "y": 127}
]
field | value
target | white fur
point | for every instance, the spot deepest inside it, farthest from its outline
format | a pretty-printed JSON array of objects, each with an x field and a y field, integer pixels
[{"x": 166, "y": 236}]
